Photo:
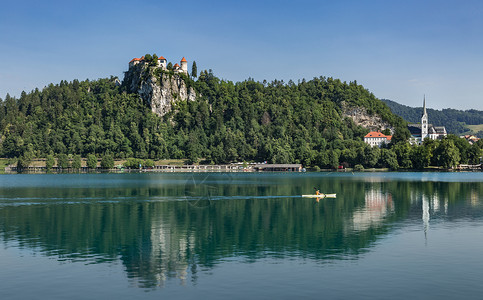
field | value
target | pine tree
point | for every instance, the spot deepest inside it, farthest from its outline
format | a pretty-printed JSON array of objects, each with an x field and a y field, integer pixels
[{"x": 194, "y": 70}]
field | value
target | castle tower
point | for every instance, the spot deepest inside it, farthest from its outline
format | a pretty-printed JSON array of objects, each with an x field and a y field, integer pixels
[
  {"x": 424, "y": 121},
  {"x": 162, "y": 62},
  {"x": 184, "y": 65}
]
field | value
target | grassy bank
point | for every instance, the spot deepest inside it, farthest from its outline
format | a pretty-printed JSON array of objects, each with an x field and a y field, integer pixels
[{"x": 475, "y": 128}]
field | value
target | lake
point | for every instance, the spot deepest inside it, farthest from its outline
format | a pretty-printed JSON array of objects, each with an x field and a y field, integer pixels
[{"x": 241, "y": 236}]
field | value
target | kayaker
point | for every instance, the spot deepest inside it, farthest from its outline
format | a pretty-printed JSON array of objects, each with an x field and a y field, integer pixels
[{"x": 317, "y": 192}]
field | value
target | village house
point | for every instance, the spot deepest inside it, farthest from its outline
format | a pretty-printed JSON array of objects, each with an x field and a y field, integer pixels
[
  {"x": 471, "y": 139},
  {"x": 375, "y": 138}
]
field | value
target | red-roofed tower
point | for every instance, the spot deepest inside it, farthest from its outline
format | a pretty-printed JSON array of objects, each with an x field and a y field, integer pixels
[{"x": 184, "y": 65}]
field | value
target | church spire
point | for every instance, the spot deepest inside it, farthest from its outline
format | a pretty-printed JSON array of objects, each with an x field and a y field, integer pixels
[
  {"x": 424, "y": 121},
  {"x": 424, "y": 105}
]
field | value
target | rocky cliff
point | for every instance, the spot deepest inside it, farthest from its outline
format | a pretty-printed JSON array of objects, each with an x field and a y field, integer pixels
[
  {"x": 360, "y": 116},
  {"x": 158, "y": 88}
]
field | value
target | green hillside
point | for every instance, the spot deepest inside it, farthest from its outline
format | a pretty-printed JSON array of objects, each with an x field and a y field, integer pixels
[{"x": 245, "y": 121}]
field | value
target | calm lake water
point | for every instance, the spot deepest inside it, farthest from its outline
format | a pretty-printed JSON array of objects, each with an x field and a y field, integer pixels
[{"x": 241, "y": 236}]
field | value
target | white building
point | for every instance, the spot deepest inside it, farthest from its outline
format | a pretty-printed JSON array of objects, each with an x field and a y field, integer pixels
[{"x": 378, "y": 139}]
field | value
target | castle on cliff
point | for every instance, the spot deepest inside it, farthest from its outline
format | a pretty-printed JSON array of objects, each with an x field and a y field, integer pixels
[
  {"x": 162, "y": 63},
  {"x": 425, "y": 130}
]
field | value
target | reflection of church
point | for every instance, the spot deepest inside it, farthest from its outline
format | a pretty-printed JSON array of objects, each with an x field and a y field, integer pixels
[{"x": 425, "y": 130}]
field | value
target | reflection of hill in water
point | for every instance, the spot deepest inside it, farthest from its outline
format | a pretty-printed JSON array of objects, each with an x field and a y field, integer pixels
[{"x": 250, "y": 219}]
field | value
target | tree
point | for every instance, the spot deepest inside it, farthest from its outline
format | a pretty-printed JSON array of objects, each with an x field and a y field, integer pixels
[
  {"x": 463, "y": 147},
  {"x": 107, "y": 162},
  {"x": 149, "y": 163},
  {"x": 420, "y": 157},
  {"x": 447, "y": 154},
  {"x": 77, "y": 162},
  {"x": 194, "y": 70},
  {"x": 49, "y": 162},
  {"x": 401, "y": 134},
  {"x": 403, "y": 153},
  {"x": 91, "y": 161},
  {"x": 474, "y": 154},
  {"x": 430, "y": 148},
  {"x": 389, "y": 159},
  {"x": 334, "y": 158},
  {"x": 26, "y": 158},
  {"x": 63, "y": 161},
  {"x": 371, "y": 156}
]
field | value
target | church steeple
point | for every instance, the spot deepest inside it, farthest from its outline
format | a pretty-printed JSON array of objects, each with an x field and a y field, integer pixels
[
  {"x": 424, "y": 121},
  {"x": 424, "y": 106}
]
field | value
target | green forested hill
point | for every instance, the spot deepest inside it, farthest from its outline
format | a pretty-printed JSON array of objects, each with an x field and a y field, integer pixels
[
  {"x": 247, "y": 120},
  {"x": 454, "y": 120},
  {"x": 244, "y": 121}
]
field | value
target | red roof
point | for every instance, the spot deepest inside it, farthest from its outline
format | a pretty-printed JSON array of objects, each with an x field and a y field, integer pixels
[
  {"x": 374, "y": 134},
  {"x": 183, "y": 60},
  {"x": 176, "y": 66},
  {"x": 135, "y": 59},
  {"x": 161, "y": 57}
]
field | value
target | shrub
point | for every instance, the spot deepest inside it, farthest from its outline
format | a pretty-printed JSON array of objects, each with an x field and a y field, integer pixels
[{"x": 133, "y": 163}]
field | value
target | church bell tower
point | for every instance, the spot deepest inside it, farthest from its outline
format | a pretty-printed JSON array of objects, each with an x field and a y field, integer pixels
[{"x": 424, "y": 121}]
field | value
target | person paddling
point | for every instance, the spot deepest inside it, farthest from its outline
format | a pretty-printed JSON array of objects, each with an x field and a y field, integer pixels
[{"x": 317, "y": 192}]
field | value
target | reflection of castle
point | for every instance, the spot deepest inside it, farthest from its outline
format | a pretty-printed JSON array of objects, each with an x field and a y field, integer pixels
[
  {"x": 171, "y": 251},
  {"x": 377, "y": 206},
  {"x": 425, "y": 130}
]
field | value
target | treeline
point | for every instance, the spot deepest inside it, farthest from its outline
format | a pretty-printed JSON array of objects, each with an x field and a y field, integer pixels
[
  {"x": 454, "y": 120},
  {"x": 245, "y": 121}
]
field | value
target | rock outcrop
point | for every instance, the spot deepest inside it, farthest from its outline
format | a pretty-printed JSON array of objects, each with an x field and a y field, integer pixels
[
  {"x": 360, "y": 116},
  {"x": 159, "y": 89}
]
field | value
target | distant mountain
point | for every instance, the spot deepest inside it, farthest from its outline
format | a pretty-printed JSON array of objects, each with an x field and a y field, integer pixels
[{"x": 454, "y": 120}]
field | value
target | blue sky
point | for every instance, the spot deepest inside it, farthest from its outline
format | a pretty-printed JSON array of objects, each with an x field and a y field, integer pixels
[{"x": 399, "y": 50}]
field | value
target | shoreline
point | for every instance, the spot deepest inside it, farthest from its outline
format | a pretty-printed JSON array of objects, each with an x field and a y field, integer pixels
[
  {"x": 180, "y": 166},
  {"x": 193, "y": 170}
]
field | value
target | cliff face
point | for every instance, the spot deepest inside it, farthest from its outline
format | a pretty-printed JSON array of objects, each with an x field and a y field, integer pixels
[
  {"x": 360, "y": 116},
  {"x": 158, "y": 89}
]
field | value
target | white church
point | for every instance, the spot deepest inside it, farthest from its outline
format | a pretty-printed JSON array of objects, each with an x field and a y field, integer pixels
[{"x": 425, "y": 130}]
